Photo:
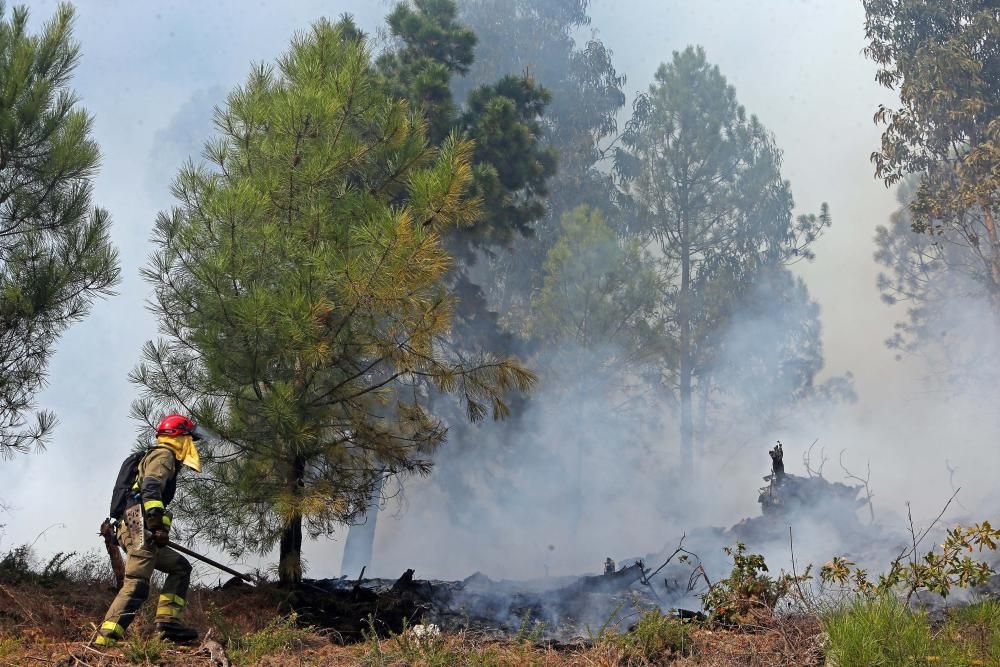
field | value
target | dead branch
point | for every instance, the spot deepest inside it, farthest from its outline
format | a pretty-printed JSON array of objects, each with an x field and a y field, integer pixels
[
  {"x": 951, "y": 481},
  {"x": 42, "y": 534},
  {"x": 680, "y": 549},
  {"x": 807, "y": 460},
  {"x": 918, "y": 540},
  {"x": 913, "y": 534},
  {"x": 795, "y": 575},
  {"x": 863, "y": 481},
  {"x": 915, "y": 540},
  {"x": 696, "y": 574}
]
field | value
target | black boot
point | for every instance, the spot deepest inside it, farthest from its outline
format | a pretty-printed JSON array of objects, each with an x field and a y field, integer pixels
[{"x": 175, "y": 632}]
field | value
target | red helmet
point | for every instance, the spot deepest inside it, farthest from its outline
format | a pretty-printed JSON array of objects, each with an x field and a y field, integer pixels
[{"x": 177, "y": 425}]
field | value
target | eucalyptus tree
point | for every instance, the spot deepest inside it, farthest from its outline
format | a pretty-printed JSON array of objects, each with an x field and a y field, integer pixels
[
  {"x": 943, "y": 58},
  {"x": 432, "y": 53}
]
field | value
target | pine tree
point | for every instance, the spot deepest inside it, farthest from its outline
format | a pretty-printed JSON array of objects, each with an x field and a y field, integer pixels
[
  {"x": 707, "y": 190},
  {"x": 429, "y": 52},
  {"x": 433, "y": 47},
  {"x": 536, "y": 38},
  {"x": 512, "y": 166},
  {"x": 55, "y": 252},
  {"x": 300, "y": 288}
]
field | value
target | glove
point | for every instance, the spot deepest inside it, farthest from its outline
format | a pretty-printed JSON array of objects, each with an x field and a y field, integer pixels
[{"x": 159, "y": 525}]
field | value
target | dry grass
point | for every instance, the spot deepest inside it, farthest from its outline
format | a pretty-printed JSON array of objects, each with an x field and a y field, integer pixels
[
  {"x": 52, "y": 625},
  {"x": 50, "y": 621},
  {"x": 775, "y": 640},
  {"x": 69, "y": 611},
  {"x": 45, "y": 624}
]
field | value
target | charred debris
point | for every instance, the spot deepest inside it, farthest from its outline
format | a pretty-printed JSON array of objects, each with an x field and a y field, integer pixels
[
  {"x": 812, "y": 499},
  {"x": 560, "y": 608},
  {"x": 566, "y": 608}
]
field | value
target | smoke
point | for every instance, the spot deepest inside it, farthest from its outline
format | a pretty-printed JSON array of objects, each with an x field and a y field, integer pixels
[
  {"x": 588, "y": 472},
  {"x": 570, "y": 486},
  {"x": 577, "y": 481}
]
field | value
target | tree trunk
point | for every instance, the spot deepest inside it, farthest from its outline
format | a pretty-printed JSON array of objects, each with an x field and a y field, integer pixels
[
  {"x": 686, "y": 360},
  {"x": 290, "y": 554},
  {"x": 360, "y": 542},
  {"x": 290, "y": 551},
  {"x": 576, "y": 511},
  {"x": 994, "y": 259},
  {"x": 704, "y": 393}
]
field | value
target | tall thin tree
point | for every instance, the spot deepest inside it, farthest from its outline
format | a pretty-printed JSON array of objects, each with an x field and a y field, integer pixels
[{"x": 705, "y": 183}]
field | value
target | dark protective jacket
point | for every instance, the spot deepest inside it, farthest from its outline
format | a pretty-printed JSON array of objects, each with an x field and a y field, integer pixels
[{"x": 157, "y": 478}]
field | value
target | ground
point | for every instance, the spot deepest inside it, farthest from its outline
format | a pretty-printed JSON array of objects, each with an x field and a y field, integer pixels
[
  {"x": 51, "y": 623},
  {"x": 49, "y": 614}
]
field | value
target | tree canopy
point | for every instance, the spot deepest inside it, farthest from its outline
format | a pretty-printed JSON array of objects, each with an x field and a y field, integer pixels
[
  {"x": 300, "y": 286},
  {"x": 943, "y": 58},
  {"x": 55, "y": 253},
  {"x": 704, "y": 185}
]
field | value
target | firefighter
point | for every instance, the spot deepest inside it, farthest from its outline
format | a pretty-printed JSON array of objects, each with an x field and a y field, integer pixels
[{"x": 144, "y": 533}]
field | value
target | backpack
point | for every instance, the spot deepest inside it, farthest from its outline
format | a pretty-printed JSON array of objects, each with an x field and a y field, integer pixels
[{"x": 124, "y": 484}]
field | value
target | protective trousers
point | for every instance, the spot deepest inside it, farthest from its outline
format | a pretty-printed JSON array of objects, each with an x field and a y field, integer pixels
[{"x": 138, "y": 570}]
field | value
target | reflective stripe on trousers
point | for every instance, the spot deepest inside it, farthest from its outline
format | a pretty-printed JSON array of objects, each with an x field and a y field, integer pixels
[{"x": 138, "y": 569}]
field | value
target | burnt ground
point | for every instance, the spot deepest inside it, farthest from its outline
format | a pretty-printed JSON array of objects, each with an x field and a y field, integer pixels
[
  {"x": 563, "y": 609},
  {"x": 558, "y": 620},
  {"x": 50, "y": 625}
]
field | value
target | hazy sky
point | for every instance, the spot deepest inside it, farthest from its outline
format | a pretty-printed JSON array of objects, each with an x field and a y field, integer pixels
[{"x": 151, "y": 72}]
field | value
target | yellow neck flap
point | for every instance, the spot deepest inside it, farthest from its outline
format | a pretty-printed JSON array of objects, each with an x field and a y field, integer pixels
[{"x": 183, "y": 448}]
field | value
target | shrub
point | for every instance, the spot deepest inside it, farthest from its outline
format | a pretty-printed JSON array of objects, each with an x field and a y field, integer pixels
[
  {"x": 937, "y": 571},
  {"x": 16, "y": 567},
  {"x": 279, "y": 634},
  {"x": 140, "y": 650},
  {"x": 653, "y": 639},
  {"x": 92, "y": 567},
  {"x": 748, "y": 588}
]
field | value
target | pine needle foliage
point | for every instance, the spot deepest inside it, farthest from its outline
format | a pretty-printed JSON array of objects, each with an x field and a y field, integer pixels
[
  {"x": 55, "y": 252},
  {"x": 703, "y": 183},
  {"x": 299, "y": 286},
  {"x": 431, "y": 54},
  {"x": 599, "y": 292}
]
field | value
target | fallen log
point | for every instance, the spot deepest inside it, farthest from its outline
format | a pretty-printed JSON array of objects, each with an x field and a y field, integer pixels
[
  {"x": 353, "y": 609},
  {"x": 610, "y": 582}
]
